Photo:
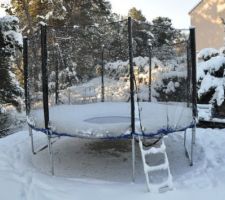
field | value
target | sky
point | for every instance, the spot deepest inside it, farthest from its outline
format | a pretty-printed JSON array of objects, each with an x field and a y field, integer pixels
[{"x": 177, "y": 10}]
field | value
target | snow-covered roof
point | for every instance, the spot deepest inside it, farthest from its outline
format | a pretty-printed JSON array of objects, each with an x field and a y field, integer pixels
[{"x": 195, "y": 7}]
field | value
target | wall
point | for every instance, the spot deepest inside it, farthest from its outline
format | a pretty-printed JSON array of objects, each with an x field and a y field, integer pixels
[{"x": 209, "y": 27}]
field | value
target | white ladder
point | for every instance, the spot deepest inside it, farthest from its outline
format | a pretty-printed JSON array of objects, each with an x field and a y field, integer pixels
[{"x": 168, "y": 183}]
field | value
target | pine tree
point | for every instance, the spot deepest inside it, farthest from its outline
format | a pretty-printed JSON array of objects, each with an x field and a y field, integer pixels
[
  {"x": 165, "y": 35},
  {"x": 163, "y": 31},
  {"x": 87, "y": 12},
  {"x": 76, "y": 54},
  {"x": 136, "y": 14},
  {"x": 60, "y": 12},
  {"x": 10, "y": 42}
]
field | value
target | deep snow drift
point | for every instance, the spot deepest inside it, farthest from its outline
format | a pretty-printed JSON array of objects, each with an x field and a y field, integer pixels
[{"x": 98, "y": 169}]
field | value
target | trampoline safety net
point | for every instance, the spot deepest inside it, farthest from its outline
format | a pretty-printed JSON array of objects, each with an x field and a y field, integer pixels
[{"x": 103, "y": 81}]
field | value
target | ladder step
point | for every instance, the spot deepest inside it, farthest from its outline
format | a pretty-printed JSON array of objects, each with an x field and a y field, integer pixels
[
  {"x": 163, "y": 166},
  {"x": 162, "y": 187},
  {"x": 154, "y": 150}
]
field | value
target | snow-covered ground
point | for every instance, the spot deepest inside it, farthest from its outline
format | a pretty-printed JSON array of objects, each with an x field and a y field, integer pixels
[{"x": 97, "y": 169}]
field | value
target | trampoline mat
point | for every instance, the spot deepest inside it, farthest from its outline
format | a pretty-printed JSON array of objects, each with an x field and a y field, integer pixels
[
  {"x": 112, "y": 119},
  {"x": 109, "y": 119}
]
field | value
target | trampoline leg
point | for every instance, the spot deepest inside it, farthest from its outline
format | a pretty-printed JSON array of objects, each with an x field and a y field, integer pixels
[
  {"x": 185, "y": 137},
  {"x": 192, "y": 144},
  {"x": 190, "y": 154},
  {"x": 194, "y": 134},
  {"x": 50, "y": 153},
  {"x": 32, "y": 140},
  {"x": 133, "y": 158}
]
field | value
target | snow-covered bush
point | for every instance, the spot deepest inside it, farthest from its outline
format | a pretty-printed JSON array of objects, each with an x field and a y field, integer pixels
[
  {"x": 10, "y": 37},
  {"x": 210, "y": 79},
  {"x": 168, "y": 81},
  {"x": 207, "y": 53}
]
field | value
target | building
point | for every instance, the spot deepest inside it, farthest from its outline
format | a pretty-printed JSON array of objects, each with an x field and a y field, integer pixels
[{"x": 206, "y": 17}]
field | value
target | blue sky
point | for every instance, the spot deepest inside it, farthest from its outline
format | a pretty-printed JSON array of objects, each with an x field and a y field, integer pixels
[{"x": 177, "y": 10}]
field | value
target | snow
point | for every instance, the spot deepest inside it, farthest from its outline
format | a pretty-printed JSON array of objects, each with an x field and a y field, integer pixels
[
  {"x": 11, "y": 30},
  {"x": 207, "y": 53},
  {"x": 84, "y": 120},
  {"x": 115, "y": 90},
  {"x": 204, "y": 112},
  {"x": 212, "y": 65},
  {"x": 219, "y": 95},
  {"x": 2, "y": 109},
  {"x": 42, "y": 23},
  {"x": 138, "y": 61},
  {"x": 90, "y": 169},
  {"x": 207, "y": 80},
  {"x": 49, "y": 15},
  {"x": 170, "y": 87},
  {"x": 10, "y": 19},
  {"x": 222, "y": 50},
  {"x": 173, "y": 69},
  {"x": 211, "y": 82}
]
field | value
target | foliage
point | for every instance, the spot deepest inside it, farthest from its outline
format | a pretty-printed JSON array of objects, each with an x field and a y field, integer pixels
[
  {"x": 10, "y": 42},
  {"x": 210, "y": 77},
  {"x": 77, "y": 37},
  {"x": 60, "y": 12},
  {"x": 163, "y": 31},
  {"x": 136, "y": 14}
]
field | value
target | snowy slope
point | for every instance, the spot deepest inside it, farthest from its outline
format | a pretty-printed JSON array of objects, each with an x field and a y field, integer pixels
[{"x": 89, "y": 169}]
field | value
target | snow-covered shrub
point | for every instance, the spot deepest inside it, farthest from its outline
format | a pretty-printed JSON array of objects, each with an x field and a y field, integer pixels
[
  {"x": 170, "y": 83},
  {"x": 207, "y": 53},
  {"x": 210, "y": 79},
  {"x": 222, "y": 51},
  {"x": 10, "y": 37}
]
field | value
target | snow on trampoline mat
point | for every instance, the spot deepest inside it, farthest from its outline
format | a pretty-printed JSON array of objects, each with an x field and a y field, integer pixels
[{"x": 113, "y": 118}]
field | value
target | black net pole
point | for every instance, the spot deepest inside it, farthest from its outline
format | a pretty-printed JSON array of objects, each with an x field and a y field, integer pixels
[
  {"x": 193, "y": 61},
  {"x": 25, "y": 73},
  {"x": 44, "y": 74},
  {"x": 194, "y": 92},
  {"x": 150, "y": 75},
  {"x": 130, "y": 42},
  {"x": 188, "y": 75},
  {"x": 102, "y": 76}
]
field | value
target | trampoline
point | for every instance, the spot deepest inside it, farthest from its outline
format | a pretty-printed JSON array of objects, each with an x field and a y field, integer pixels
[
  {"x": 112, "y": 119},
  {"x": 126, "y": 94}
]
